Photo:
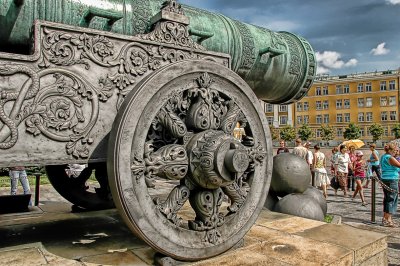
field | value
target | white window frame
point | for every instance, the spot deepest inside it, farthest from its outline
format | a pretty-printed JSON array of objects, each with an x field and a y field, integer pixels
[
  {"x": 318, "y": 119},
  {"x": 346, "y": 117},
  {"x": 368, "y": 87},
  {"x": 360, "y": 102},
  {"x": 360, "y": 117},
  {"x": 339, "y": 104},
  {"x": 392, "y": 101},
  {"x": 326, "y": 118},
  {"x": 346, "y": 103},
  {"x": 346, "y": 88},
  {"x": 392, "y": 85},
  {"x": 339, "y": 118},
  {"x": 283, "y": 120},
  {"x": 382, "y": 85},
  {"x": 384, "y": 116},
  {"x": 393, "y": 115},
  {"x": 368, "y": 117},
  {"x": 360, "y": 87},
  {"x": 368, "y": 102}
]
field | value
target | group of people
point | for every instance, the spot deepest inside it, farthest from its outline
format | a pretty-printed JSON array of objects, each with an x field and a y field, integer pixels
[{"x": 349, "y": 166}]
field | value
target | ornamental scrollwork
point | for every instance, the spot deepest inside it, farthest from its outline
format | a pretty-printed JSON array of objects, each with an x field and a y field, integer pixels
[{"x": 54, "y": 110}]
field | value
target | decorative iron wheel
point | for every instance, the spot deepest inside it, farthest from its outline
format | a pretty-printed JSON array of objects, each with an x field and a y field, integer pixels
[
  {"x": 175, "y": 129},
  {"x": 75, "y": 188}
]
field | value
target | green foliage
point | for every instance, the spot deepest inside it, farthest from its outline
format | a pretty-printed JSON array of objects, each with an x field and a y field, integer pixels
[
  {"x": 305, "y": 132},
  {"x": 352, "y": 131},
  {"x": 274, "y": 133},
  {"x": 288, "y": 133},
  {"x": 376, "y": 131},
  {"x": 328, "y": 218},
  {"x": 396, "y": 131},
  {"x": 327, "y": 132}
]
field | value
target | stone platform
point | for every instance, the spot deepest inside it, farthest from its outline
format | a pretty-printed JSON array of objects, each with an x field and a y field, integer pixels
[{"x": 52, "y": 235}]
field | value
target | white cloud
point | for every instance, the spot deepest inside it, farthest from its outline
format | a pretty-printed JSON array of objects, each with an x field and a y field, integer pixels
[
  {"x": 393, "y": 2},
  {"x": 331, "y": 60},
  {"x": 380, "y": 49}
]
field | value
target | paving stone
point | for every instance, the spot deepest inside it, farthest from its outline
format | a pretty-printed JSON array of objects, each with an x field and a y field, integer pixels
[{"x": 115, "y": 258}]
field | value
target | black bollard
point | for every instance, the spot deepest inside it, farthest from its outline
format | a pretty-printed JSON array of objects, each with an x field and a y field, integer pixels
[
  {"x": 37, "y": 188},
  {"x": 373, "y": 187}
]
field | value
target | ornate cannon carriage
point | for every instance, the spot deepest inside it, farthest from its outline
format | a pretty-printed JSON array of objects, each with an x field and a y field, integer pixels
[{"x": 150, "y": 103}]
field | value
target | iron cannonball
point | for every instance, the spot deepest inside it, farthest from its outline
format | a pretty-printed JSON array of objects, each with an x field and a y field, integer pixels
[
  {"x": 290, "y": 174},
  {"x": 300, "y": 205},
  {"x": 317, "y": 195}
]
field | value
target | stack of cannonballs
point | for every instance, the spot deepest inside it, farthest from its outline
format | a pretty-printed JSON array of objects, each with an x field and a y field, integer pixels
[{"x": 290, "y": 190}]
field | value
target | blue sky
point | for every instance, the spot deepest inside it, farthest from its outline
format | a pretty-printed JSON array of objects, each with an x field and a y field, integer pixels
[{"x": 348, "y": 36}]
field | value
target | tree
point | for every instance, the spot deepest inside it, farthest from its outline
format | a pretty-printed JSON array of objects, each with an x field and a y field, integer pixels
[
  {"x": 288, "y": 133},
  {"x": 274, "y": 133},
  {"x": 396, "y": 131},
  {"x": 376, "y": 131},
  {"x": 305, "y": 132},
  {"x": 326, "y": 132},
  {"x": 352, "y": 132}
]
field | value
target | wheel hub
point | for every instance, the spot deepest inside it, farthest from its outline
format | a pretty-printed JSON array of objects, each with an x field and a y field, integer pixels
[{"x": 215, "y": 159}]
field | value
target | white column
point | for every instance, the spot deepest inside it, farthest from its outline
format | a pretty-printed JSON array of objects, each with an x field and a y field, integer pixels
[
  {"x": 290, "y": 114},
  {"x": 276, "y": 118}
]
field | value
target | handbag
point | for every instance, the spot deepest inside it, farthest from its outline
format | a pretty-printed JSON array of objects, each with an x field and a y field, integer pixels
[{"x": 335, "y": 183}]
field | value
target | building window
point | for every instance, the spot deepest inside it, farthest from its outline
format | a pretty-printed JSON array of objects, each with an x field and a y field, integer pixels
[
  {"x": 306, "y": 119},
  {"x": 383, "y": 101},
  {"x": 362, "y": 132},
  {"x": 299, "y": 119},
  {"x": 318, "y": 91},
  {"x": 339, "y": 132},
  {"x": 360, "y": 87},
  {"x": 382, "y": 85},
  {"x": 305, "y": 106},
  {"x": 392, "y": 100},
  {"x": 386, "y": 131},
  {"x": 283, "y": 108},
  {"x": 339, "y": 89},
  {"x": 282, "y": 120},
  {"x": 325, "y": 90},
  {"x": 326, "y": 105},
  {"x": 360, "y": 102},
  {"x": 299, "y": 107},
  {"x": 339, "y": 118},
  {"x": 368, "y": 87},
  {"x": 270, "y": 120},
  {"x": 269, "y": 108},
  {"x": 368, "y": 117},
  {"x": 346, "y": 103},
  {"x": 347, "y": 117},
  {"x": 392, "y": 85},
  {"x": 368, "y": 102},
  {"x": 318, "y": 105},
  {"x": 318, "y": 133},
  {"x": 384, "y": 116},
  {"x": 326, "y": 119},
  {"x": 318, "y": 119},
  {"x": 393, "y": 115},
  {"x": 360, "y": 117},
  {"x": 338, "y": 104},
  {"x": 346, "y": 88}
]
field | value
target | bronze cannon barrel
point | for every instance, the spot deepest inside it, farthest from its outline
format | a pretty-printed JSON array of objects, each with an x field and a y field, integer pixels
[{"x": 278, "y": 66}]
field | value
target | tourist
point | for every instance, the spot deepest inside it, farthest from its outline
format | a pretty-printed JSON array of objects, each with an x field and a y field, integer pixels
[
  {"x": 335, "y": 152},
  {"x": 342, "y": 167},
  {"x": 282, "y": 147},
  {"x": 299, "y": 150},
  {"x": 310, "y": 161},
  {"x": 374, "y": 162},
  {"x": 319, "y": 164},
  {"x": 390, "y": 177},
  {"x": 359, "y": 175},
  {"x": 350, "y": 176},
  {"x": 18, "y": 173}
]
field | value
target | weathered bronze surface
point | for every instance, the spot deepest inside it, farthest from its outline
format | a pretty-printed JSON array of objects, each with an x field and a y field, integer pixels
[
  {"x": 278, "y": 66},
  {"x": 153, "y": 108}
]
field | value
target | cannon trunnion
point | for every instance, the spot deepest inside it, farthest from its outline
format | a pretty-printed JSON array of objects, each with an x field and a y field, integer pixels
[{"x": 152, "y": 115}]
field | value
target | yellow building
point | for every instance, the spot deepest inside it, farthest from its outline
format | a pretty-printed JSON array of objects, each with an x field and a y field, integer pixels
[{"x": 360, "y": 98}]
